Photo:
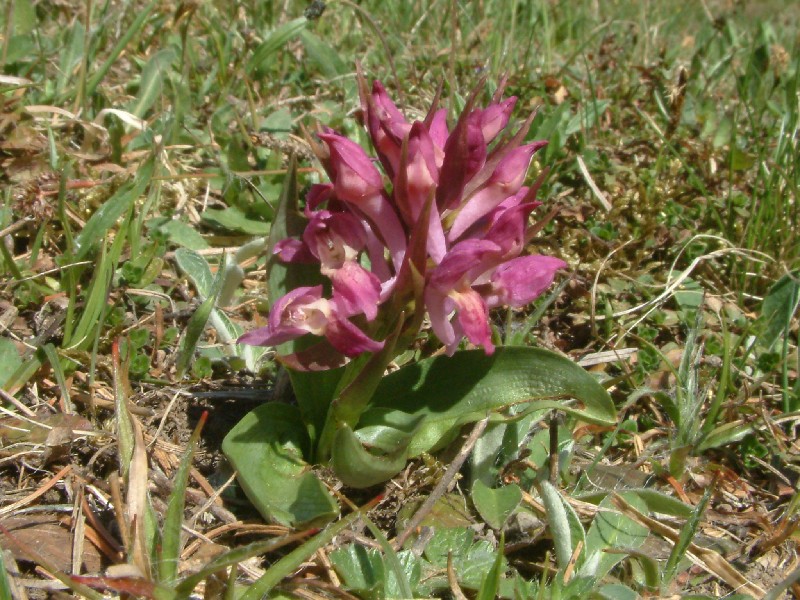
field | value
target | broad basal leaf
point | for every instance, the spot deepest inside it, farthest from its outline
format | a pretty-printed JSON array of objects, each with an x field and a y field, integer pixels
[
  {"x": 451, "y": 391},
  {"x": 267, "y": 448},
  {"x": 495, "y": 505},
  {"x": 611, "y": 529}
]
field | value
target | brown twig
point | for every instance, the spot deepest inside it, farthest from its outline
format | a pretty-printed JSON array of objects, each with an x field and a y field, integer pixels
[
  {"x": 452, "y": 580},
  {"x": 31, "y": 497},
  {"x": 444, "y": 483}
]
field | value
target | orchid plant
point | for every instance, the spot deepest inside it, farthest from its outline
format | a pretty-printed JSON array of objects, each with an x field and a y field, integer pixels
[{"x": 433, "y": 229}]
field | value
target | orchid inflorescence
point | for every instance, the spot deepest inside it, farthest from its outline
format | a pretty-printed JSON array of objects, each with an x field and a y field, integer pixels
[{"x": 445, "y": 238}]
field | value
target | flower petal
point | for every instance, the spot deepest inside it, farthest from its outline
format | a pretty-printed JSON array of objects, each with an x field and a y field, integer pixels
[
  {"x": 265, "y": 336},
  {"x": 521, "y": 280},
  {"x": 421, "y": 174},
  {"x": 508, "y": 229},
  {"x": 349, "y": 339},
  {"x": 356, "y": 290},
  {"x": 334, "y": 238},
  {"x": 463, "y": 263},
  {"x": 464, "y": 156},
  {"x": 299, "y": 312},
  {"x": 473, "y": 316},
  {"x": 504, "y": 182},
  {"x": 386, "y": 125},
  {"x": 494, "y": 118},
  {"x": 294, "y": 251},
  {"x": 439, "y": 306},
  {"x": 354, "y": 175},
  {"x": 438, "y": 130},
  {"x": 317, "y": 194}
]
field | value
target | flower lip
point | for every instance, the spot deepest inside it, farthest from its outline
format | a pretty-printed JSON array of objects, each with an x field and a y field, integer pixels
[
  {"x": 334, "y": 238},
  {"x": 301, "y": 311}
]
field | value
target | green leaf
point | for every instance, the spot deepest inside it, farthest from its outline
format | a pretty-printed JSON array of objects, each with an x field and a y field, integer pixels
[
  {"x": 199, "y": 272},
  {"x": 180, "y": 233},
  {"x": 329, "y": 62},
  {"x": 365, "y": 572},
  {"x": 389, "y": 430},
  {"x": 197, "y": 269},
  {"x": 361, "y": 570},
  {"x": 469, "y": 557},
  {"x": 173, "y": 520},
  {"x": 112, "y": 209},
  {"x": 616, "y": 591},
  {"x": 314, "y": 393},
  {"x": 70, "y": 57},
  {"x": 283, "y": 277},
  {"x": 779, "y": 305},
  {"x": 741, "y": 160},
  {"x": 491, "y": 583},
  {"x": 725, "y": 434},
  {"x": 656, "y": 501},
  {"x": 24, "y": 16},
  {"x": 267, "y": 448},
  {"x": 5, "y": 586},
  {"x": 688, "y": 532},
  {"x": 451, "y": 391},
  {"x": 496, "y": 505},
  {"x": 611, "y": 529},
  {"x": 289, "y": 563},
  {"x": 355, "y": 390},
  {"x": 233, "y": 219},
  {"x": 559, "y": 523},
  {"x": 359, "y": 468},
  {"x": 274, "y": 41},
  {"x": 10, "y": 360},
  {"x": 96, "y": 302},
  {"x": 196, "y": 326},
  {"x": 499, "y": 444},
  {"x": 397, "y": 583},
  {"x": 278, "y": 122},
  {"x": 151, "y": 85},
  {"x": 661, "y": 503},
  {"x": 651, "y": 569},
  {"x": 455, "y": 540}
]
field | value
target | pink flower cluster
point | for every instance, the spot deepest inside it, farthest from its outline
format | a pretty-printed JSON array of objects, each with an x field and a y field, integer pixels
[{"x": 460, "y": 189}]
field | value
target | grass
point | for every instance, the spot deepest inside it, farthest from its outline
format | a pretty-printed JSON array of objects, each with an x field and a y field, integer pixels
[{"x": 143, "y": 148}]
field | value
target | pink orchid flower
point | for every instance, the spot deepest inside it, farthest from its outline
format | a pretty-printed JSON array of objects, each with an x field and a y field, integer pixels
[
  {"x": 304, "y": 311},
  {"x": 441, "y": 210}
]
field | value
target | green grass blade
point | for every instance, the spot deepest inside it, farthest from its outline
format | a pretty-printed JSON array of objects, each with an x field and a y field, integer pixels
[
  {"x": 391, "y": 557},
  {"x": 234, "y": 557},
  {"x": 113, "y": 208},
  {"x": 491, "y": 583},
  {"x": 173, "y": 520},
  {"x": 294, "y": 559},
  {"x": 152, "y": 81},
  {"x": 273, "y": 42},
  {"x": 129, "y": 33},
  {"x": 55, "y": 364},
  {"x": 196, "y": 326},
  {"x": 5, "y": 586},
  {"x": 687, "y": 535}
]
